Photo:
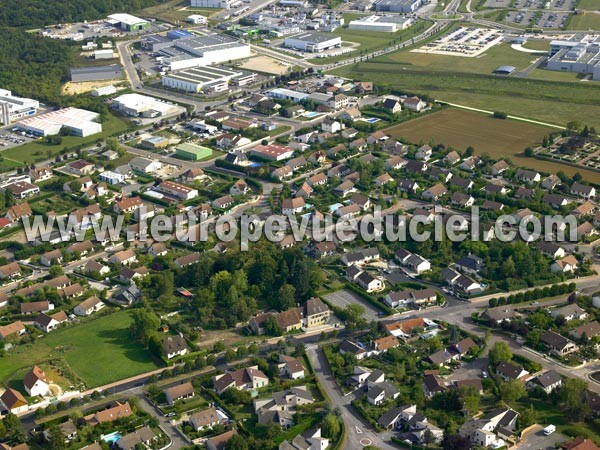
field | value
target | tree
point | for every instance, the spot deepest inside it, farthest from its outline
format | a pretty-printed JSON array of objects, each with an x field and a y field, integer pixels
[
  {"x": 455, "y": 442},
  {"x": 12, "y": 423},
  {"x": 500, "y": 352},
  {"x": 145, "y": 323},
  {"x": 428, "y": 437},
  {"x": 511, "y": 391},
  {"x": 271, "y": 327},
  {"x": 572, "y": 396},
  {"x": 353, "y": 315},
  {"x": 286, "y": 296},
  {"x": 55, "y": 271},
  {"x": 236, "y": 442},
  {"x": 471, "y": 399},
  {"x": 330, "y": 426},
  {"x": 56, "y": 438},
  {"x": 527, "y": 417}
]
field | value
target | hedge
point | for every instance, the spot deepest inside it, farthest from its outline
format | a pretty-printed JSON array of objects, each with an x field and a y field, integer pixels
[
  {"x": 369, "y": 298},
  {"x": 534, "y": 294}
]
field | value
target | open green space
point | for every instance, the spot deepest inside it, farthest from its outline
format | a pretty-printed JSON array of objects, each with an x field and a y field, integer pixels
[
  {"x": 370, "y": 41},
  {"x": 500, "y": 138},
  {"x": 554, "y": 75},
  {"x": 538, "y": 44},
  {"x": 36, "y": 151},
  {"x": 469, "y": 82},
  {"x": 176, "y": 11},
  {"x": 584, "y": 22},
  {"x": 589, "y": 5},
  {"x": 486, "y": 63},
  {"x": 99, "y": 351}
]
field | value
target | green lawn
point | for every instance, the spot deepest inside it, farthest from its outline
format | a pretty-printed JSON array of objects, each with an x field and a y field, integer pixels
[
  {"x": 40, "y": 151},
  {"x": 585, "y": 22},
  {"x": 543, "y": 44},
  {"x": 99, "y": 352},
  {"x": 548, "y": 414},
  {"x": 590, "y": 5},
  {"x": 486, "y": 63},
  {"x": 176, "y": 11},
  {"x": 468, "y": 81},
  {"x": 7, "y": 165}
]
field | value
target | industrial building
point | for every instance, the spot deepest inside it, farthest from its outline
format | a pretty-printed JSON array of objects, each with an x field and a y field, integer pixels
[
  {"x": 103, "y": 90},
  {"x": 127, "y": 22},
  {"x": 313, "y": 42},
  {"x": 287, "y": 94},
  {"x": 382, "y": 24},
  {"x": 207, "y": 79},
  {"x": 192, "y": 152},
  {"x": 223, "y": 4},
  {"x": 398, "y": 6},
  {"x": 197, "y": 19},
  {"x": 582, "y": 56},
  {"x": 104, "y": 54},
  {"x": 201, "y": 51},
  {"x": 97, "y": 73},
  {"x": 13, "y": 108},
  {"x": 80, "y": 122},
  {"x": 137, "y": 105}
]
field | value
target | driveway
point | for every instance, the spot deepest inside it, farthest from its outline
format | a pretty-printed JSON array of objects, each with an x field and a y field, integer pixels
[{"x": 358, "y": 433}]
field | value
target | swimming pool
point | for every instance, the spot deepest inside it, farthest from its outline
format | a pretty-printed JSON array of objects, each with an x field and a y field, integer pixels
[
  {"x": 112, "y": 437},
  {"x": 311, "y": 114},
  {"x": 255, "y": 164},
  {"x": 372, "y": 120}
]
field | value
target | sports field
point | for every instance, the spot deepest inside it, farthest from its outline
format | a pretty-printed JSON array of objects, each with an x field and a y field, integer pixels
[
  {"x": 589, "y": 5},
  {"x": 499, "y": 138},
  {"x": 99, "y": 352}
]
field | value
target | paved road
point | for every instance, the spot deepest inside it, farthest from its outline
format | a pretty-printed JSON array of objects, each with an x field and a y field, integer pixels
[
  {"x": 358, "y": 433},
  {"x": 171, "y": 430}
]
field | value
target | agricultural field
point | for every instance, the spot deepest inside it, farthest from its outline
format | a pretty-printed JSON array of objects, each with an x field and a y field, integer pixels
[
  {"x": 584, "y": 22},
  {"x": 501, "y": 138},
  {"x": 548, "y": 101},
  {"x": 589, "y": 5},
  {"x": 37, "y": 151},
  {"x": 176, "y": 11},
  {"x": 101, "y": 343},
  {"x": 489, "y": 61}
]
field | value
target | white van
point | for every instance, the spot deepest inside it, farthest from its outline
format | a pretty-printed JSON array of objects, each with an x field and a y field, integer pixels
[{"x": 549, "y": 430}]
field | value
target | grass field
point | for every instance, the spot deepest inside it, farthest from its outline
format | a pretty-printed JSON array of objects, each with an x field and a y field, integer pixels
[
  {"x": 540, "y": 44},
  {"x": 40, "y": 151},
  {"x": 470, "y": 83},
  {"x": 499, "y": 55},
  {"x": 589, "y": 5},
  {"x": 499, "y": 138},
  {"x": 584, "y": 22},
  {"x": 176, "y": 11},
  {"x": 99, "y": 351}
]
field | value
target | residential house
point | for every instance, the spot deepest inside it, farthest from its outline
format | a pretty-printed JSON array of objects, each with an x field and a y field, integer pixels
[
  {"x": 290, "y": 367},
  {"x": 13, "y": 401},
  {"x": 424, "y": 152},
  {"x": 247, "y": 378},
  {"x": 89, "y": 306},
  {"x": 182, "y": 391},
  {"x": 557, "y": 344},
  {"x": 499, "y": 167},
  {"x": 15, "y": 328},
  {"x": 391, "y": 105},
  {"x": 435, "y": 192},
  {"x": 36, "y": 383},
  {"x": 586, "y": 331},
  {"x": 583, "y": 190},
  {"x": 547, "y": 381},
  {"x": 414, "y": 104},
  {"x": 174, "y": 346},
  {"x": 206, "y": 419},
  {"x": 528, "y": 176},
  {"x": 142, "y": 437},
  {"x": 48, "y": 323},
  {"x": 220, "y": 442},
  {"x": 509, "y": 371},
  {"x": 569, "y": 312}
]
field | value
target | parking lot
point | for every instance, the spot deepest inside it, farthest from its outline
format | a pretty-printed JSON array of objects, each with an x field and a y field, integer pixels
[
  {"x": 538, "y": 19},
  {"x": 345, "y": 297},
  {"x": 469, "y": 42},
  {"x": 10, "y": 137},
  {"x": 536, "y": 440}
]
